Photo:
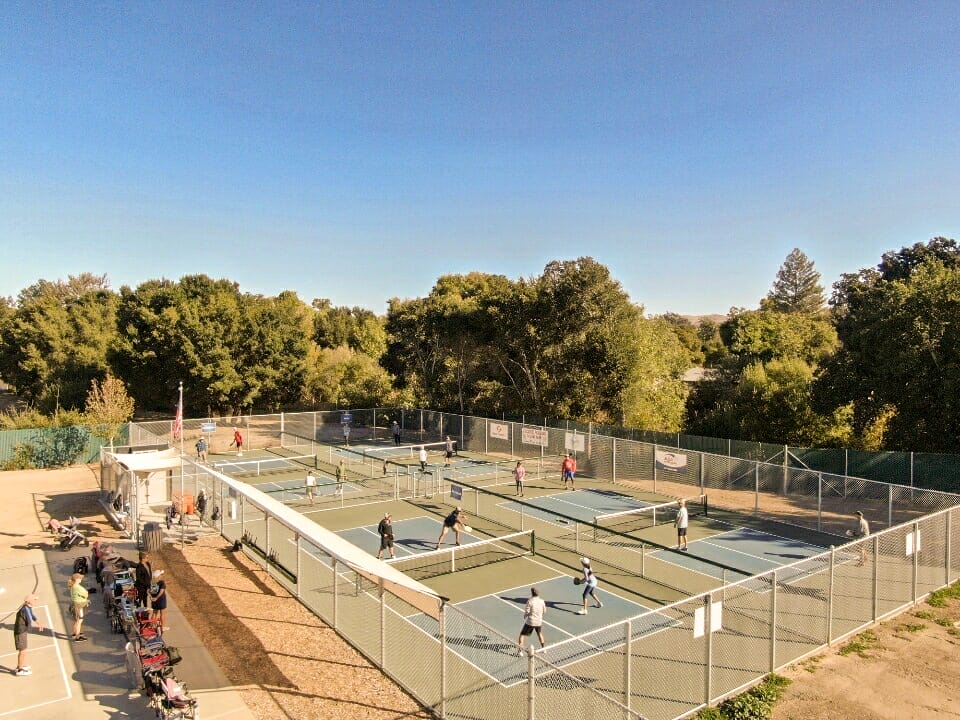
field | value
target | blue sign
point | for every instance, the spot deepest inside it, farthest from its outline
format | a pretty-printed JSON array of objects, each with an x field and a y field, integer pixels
[
  {"x": 208, "y": 427},
  {"x": 456, "y": 492},
  {"x": 346, "y": 418}
]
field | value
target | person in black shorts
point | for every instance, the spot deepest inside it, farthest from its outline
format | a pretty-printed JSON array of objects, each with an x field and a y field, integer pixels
[
  {"x": 385, "y": 528},
  {"x": 448, "y": 451},
  {"x": 454, "y": 521}
]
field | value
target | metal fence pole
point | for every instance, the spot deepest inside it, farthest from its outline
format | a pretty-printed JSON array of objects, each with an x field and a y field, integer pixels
[
  {"x": 819, "y": 501},
  {"x": 708, "y": 656},
  {"x": 876, "y": 576},
  {"x": 627, "y": 666},
  {"x": 889, "y": 506},
  {"x": 443, "y": 659},
  {"x": 613, "y": 460},
  {"x": 833, "y": 562},
  {"x": 531, "y": 684},
  {"x": 654, "y": 467},
  {"x": 335, "y": 591},
  {"x": 702, "y": 473},
  {"x": 773, "y": 621},
  {"x": 756, "y": 487},
  {"x": 947, "y": 548},
  {"x": 916, "y": 559},
  {"x": 383, "y": 625}
]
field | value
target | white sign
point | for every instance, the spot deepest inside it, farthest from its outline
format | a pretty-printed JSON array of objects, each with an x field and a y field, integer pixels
[
  {"x": 575, "y": 442},
  {"x": 716, "y": 619},
  {"x": 535, "y": 436},
  {"x": 671, "y": 461},
  {"x": 911, "y": 545},
  {"x": 208, "y": 427},
  {"x": 500, "y": 431}
]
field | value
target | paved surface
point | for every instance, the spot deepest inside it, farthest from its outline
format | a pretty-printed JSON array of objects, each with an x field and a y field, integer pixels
[{"x": 83, "y": 680}]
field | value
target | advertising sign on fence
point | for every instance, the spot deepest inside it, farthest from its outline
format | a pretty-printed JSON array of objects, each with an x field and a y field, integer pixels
[
  {"x": 671, "y": 461},
  {"x": 574, "y": 441},
  {"x": 500, "y": 431},
  {"x": 535, "y": 436},
  {"x": 456, "y": 492}
]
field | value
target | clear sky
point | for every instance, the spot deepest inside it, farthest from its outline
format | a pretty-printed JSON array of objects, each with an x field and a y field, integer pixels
[{"x": 358, "y": 151}]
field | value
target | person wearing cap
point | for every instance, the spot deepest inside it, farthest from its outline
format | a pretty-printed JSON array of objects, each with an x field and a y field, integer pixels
[
  {"x": 24, "y": 621},
  {"x": 862, "y": 531},
  {"x": 385, "y": 528},
  {"x": 454, "y": 521},
  {"x": 589, "y": 586},
  {"x": 681, "y": 523},
  {"x": 79, "y": 601},
  {"x": 158, "y": 599}
]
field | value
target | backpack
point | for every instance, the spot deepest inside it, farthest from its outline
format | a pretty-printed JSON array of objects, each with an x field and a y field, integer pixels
[{"x": 80, "y": 565}]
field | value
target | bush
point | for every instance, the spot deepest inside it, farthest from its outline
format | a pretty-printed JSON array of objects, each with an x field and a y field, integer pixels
[
  {"x": 754, "y": 704},
  {"x": 57, "y": 447},
  {"x": 23, "y": 458}
]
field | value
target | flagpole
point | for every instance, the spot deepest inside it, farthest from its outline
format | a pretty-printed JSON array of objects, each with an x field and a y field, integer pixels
[{"x": 183, "y": 503}]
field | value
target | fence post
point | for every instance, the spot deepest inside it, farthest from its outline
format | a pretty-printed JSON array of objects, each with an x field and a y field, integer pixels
[
  {"x": 833, "y": 561},
  {"x": 627, "y": 666},
  {"x": 911, "y": 468},
  {"x": 654, "y": 467},
  {"x": 383, "y": 626},
  {"x": 443, "y": 659},
  {"x": 889, "y": 506},
  {"x": 916, "y": 559},
  {"x": 335, "y": 591},
  {"x": 773, "y": 621},
  {"x": 531, "y": 684},
  {"x": 876, "y": 577},
  {"x": 613, "y": 461},
  {"x": 708, "y": 659},
  {"x": 947, "y": 549},
  {"x": 702, "y": 474},
  {"x": 756, "y": 487},
  {"x": 486, "y": 436},
  {"x": 819, "y": 501}
]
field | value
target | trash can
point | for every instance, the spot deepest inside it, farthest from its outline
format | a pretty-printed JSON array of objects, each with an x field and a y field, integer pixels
[{"x": 152, "y": 537}]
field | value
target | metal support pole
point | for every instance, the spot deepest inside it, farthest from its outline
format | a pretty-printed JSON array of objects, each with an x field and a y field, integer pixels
[
  {"x": 335, "y": 592},
  {"x": 296, "y": 540},
  {"x": 442, "y": 618},
  {"x": 531, "y": 684},
  {"x": 383, "y": 625},
  {"x": 876, "y": 577},
  {"x": 773, "y": 621},
  {"x": 702, "y": 473},
  {"x": 654, "y": 467},
  {"x": 889, "y": 506},
  {"x": 613, "y": 461},
  {"x": 947, "y": 550},
  {"x": 627, "y": 666},
  {"x": 708, "y": 658},
  {"x": 914, "y": 581},
  {"x": 756, "y": 487},
  {"x": 833, "y": 563},
  {"x": 819, "y": 501}
]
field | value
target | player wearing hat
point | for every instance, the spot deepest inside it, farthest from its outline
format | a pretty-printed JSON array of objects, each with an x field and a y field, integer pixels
[
  {"x": 385, "y": 528},
  {"x": 24, "y": 621},
  {"x": 589, "y": 581},
  {"x": 454, "y": 521}
]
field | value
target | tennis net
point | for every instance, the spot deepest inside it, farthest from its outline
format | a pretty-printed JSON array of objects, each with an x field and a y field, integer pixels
[
  {"x": 265, "y": 466},
  {"x": 628, "y": 521},
  {"x": 465, "y": 557}
]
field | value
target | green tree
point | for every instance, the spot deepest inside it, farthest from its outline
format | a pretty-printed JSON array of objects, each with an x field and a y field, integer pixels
[
  {"x": 344, "y": 377},
  {"x": 688, "y": 334},
  {"x": 899, "y": 362},
  {"x": 108, "y": 408},
  {"x": 55, "y": 342},
  {"x": 762, "y": 335},
  {"x": 797, "y": 287}
]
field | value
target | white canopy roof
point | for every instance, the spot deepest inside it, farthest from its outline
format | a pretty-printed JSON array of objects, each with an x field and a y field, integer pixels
[{"x": 147, "y": 462}]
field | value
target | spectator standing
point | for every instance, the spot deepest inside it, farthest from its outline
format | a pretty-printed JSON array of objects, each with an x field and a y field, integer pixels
[
  {"x": 21, "y": 625},
  {"x": 533, "y": 614},
  {"x": 202, "y": 504},
  {"x": 158, "y": 599},
  {"x": 142, "y": 578},
  {"x": 385, "y": 528},
  {"x": 395, "y": 429},
  {"x": 79, "y": 601}
]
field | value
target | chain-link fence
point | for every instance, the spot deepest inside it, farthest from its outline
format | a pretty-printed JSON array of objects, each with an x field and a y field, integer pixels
[{"x": 710, "y": 634}]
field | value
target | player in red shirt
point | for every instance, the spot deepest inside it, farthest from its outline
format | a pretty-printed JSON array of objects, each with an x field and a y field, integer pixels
[{"x": 568, "y": 471}]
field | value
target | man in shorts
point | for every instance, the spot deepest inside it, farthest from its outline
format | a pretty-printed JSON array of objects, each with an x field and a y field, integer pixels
[
  {"x": 395, "y": 429},
  {"x": 24, "y": 621},
  {"x": 311, "y": 482},
  {"x": 454, "y": 521},
  {"x": 862, "y": 531},
  {"x": 423, "y": 459},
  {"x": 533, "y": 614},
  {"x": 568, "y": 471},
  {"x": 238, "y": 441},
  {"x": 341, "y": 474},
  {"x": 385, "y": 528},
  {"x": 680, "y": 523},
  {"x": 448, "y": 451}
]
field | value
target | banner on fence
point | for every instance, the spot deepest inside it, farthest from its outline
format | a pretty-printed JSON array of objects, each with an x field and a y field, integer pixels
[
  {"x": 671, "y": 461},
  {"x": 574, "y": 441},
  {"x": 500, "y": 431},
  {"x": 535, "y": 436}
]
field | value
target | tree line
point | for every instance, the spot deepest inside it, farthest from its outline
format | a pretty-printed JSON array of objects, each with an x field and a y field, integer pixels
[{"x": 875, "y": 367}]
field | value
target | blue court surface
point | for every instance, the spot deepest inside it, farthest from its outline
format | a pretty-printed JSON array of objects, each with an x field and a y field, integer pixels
[
  {"x": 570, "y": 637},
  {"x": 411, "y": 536},
  {"x": 751, "y": 551},
  {"x": 582, "y": 505}
]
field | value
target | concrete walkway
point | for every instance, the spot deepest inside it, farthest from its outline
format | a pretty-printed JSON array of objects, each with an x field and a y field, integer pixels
[{"x": 80, "y": 680}]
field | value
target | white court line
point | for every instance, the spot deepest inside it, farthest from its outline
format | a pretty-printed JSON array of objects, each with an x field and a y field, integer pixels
[{"x": 63, "y": 669}]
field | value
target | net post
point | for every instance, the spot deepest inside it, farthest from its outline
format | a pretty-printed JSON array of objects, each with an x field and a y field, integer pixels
[
  {"x": 830, "y": 590},
  {"x": 773, "y": 621},
  {"x": 627, "y": 666},
  {"x": 596, "y": 527}
]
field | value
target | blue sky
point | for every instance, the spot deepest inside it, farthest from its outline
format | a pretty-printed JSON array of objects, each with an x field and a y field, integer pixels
[{"x": 358, "y": 151}]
